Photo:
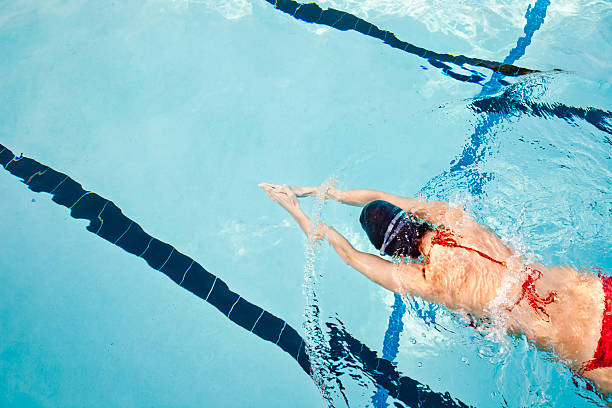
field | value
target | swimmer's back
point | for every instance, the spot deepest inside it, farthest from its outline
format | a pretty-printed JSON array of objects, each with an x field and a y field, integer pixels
[{"x": 466, "y": 280}]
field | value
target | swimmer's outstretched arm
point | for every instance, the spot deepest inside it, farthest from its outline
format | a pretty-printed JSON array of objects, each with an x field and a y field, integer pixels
[
  {"x": 430, "y": 210},
  {"x": 397, "y": 277},
  {"x": 400, "y": 278}
]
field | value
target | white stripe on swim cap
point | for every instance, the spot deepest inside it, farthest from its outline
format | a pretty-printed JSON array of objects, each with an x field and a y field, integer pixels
[{"x": 390, "y": 227}]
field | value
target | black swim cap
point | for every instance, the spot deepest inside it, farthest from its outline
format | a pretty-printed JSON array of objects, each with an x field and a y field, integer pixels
[{"x": 403, "y": 231}]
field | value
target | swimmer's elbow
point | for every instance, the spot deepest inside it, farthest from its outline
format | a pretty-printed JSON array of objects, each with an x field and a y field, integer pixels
[{"x": 347, "y": 256}]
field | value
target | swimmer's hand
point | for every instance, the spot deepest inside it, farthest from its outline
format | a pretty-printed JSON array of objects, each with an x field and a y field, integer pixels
[
  {"x": 318, "y": 233},
  {"x": 333, "y": 193},
  {"x": 299, "y": 191},
  {"x": 284, "y": 195}
]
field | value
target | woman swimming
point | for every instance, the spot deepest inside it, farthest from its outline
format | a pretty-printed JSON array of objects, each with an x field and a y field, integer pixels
[{"x": 468, "y": 269}]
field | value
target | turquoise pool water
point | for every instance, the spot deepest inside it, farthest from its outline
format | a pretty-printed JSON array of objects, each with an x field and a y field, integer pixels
[{"x": 175, "y": 111}]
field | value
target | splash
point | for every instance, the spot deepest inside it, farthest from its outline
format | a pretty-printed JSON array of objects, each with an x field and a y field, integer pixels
[{"x": 316, "y": 344}]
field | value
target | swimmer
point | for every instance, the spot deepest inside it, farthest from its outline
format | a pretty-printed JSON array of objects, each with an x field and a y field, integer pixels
[{"x": 468, "y": 269}]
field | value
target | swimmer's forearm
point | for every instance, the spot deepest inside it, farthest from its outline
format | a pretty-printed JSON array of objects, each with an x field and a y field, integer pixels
[
  {"x": 335, "y": 239},
  {"x": 340, "y": 244},
  {"x": 303, "y": 221},
  {"x": 359, "y": 197},
  {"x": 362, "y": 197},
  {"x": 351, "y": 197},
  {"x": 373, "y": 267}
]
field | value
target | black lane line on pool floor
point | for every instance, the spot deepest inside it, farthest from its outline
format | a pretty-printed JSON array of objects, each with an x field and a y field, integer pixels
[
  {"x": 108, "y": 222},
  {"x": 346, "y": 348},
  {"x": 343, "y": 21},
  {"x": 506, "y": 104}
]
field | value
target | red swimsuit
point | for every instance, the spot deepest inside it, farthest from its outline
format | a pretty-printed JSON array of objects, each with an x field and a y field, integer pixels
[{"x": 603, "y": 354}]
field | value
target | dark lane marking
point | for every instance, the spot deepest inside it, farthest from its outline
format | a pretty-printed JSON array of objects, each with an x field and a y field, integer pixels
[
  {"x": 505, "y": 104},
  {"x": 497, "y": 108},
  {"x": 347, "y": 349},
  {"x": 108, "y": 222},
  {"x": 340, "y": 20}
]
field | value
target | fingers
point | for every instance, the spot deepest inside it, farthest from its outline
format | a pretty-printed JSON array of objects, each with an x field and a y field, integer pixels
[
  {"x": 266, "y": 186},
  {"x": 274, "y": 195},
  {"x": 282, "y": 194},
  {"x": 292, "y": 190},
  {"x": 331, "y": 193},
  {"x": 285, "y": 189},
  {"x": 317, "y": 236},
  {"x": 269, "y": 186},
  {"x": 277, "y": 196}
]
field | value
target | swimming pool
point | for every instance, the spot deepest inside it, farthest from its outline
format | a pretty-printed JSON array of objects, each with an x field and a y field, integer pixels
[{"x": 173, "y": 111}]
